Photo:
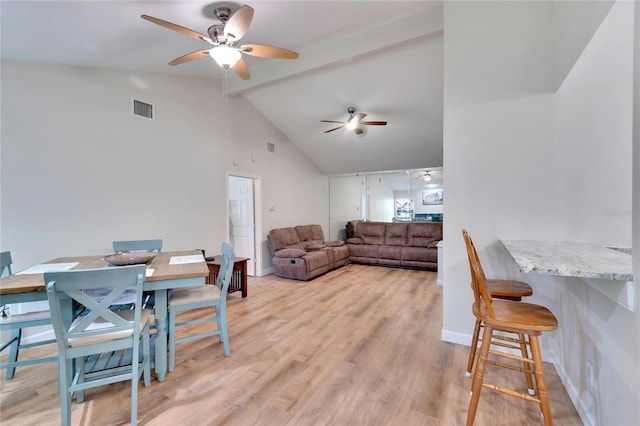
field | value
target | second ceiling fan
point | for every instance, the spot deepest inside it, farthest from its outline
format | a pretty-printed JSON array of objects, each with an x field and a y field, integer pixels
[
  {"x": 225, "y": 37},
  {"x": 354, "y": 122}
]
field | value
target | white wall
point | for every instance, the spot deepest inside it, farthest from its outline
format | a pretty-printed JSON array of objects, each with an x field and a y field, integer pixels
[
  {"x": 521, "y": 162},
  {"x": 79, "y": 170}
]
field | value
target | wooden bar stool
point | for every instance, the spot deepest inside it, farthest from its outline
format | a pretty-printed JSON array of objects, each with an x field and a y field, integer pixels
[
  {"x": 524, "y": 319},
  {"x": 499, "y": 289}
]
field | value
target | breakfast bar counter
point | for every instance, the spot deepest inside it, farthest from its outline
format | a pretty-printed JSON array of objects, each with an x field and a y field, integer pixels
[{"x": 606, "y": 269}]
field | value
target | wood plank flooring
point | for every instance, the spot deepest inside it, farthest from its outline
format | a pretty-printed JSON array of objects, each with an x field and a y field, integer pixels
[{"x": 358, "y": 346}]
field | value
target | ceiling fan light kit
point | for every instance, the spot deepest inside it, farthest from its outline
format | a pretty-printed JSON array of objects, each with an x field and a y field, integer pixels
[
  {"x": 224, "y": 37},
  {"x": 225, "y": 56}
]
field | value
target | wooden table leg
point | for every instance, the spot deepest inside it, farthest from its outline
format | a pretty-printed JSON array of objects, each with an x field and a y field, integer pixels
[{"x": 244, "y": 279}]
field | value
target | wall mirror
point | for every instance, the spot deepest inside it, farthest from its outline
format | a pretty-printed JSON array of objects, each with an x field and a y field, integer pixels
[{"x": 388, "y": 196}]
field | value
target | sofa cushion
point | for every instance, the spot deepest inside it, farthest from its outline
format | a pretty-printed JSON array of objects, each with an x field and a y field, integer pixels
[
  {"x": 396, "y": 234},
  {"x": 416, "y": 254},
  {"x": 310, "y": 233},
  {"x": 371, "y": 232},
  {"x": 290, "y": 252},
  {"x": 282, "y": 238},
  {"x": 355, "y": 240},
  {"x": 389, "y": 252},
  {"x": 423, "y": 234},
  {"x": 364, "y": 251}
]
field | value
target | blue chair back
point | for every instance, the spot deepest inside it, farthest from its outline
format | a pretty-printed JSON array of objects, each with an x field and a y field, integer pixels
[
  {"x": 133, "y": 245},
  {"x": 111, "y": 283},
  {"x": 5, "y": 263},
  {"x": 226, "y": 270}
]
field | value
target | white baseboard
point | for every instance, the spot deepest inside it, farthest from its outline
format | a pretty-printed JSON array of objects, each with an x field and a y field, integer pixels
[
  {"x": 266, "y": 271},
  {"x": 574, "y": 395},
  {"x": 455, "y": 337}
]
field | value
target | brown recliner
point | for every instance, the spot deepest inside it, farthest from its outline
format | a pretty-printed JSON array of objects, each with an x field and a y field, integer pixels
[{"x": 301, "y": 253}]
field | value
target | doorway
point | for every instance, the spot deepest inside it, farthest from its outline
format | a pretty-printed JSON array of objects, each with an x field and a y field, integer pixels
[{"x": 243, "y": 195}]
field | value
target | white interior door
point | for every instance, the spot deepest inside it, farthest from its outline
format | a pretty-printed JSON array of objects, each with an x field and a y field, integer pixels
[{"x": 242, "y": 219}]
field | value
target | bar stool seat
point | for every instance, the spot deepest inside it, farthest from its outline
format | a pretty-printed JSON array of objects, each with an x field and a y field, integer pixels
[
  {"x": 508, "y": 289},
  {"x": 518, "y": 317}
]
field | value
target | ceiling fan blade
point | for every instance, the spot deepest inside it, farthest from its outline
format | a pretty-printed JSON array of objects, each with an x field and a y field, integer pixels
[
  {"x": 358, "y": 131},
  {"x": 359, "y": 116},
  {"x": 178, "y": 28},
  {"x": 190, "y": 57},
  {"x": 238, "y": 23},
  {"x": 332, "y": 121},
  {"x": 241, "y": 69},
  {"x": 265, "y": 51},
  {"x": 339, "y": 127},
  {"x": 373, "y": 123}
]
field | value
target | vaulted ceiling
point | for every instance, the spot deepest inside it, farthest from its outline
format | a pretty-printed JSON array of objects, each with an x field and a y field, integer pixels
[{"x": 385, "y": 58}]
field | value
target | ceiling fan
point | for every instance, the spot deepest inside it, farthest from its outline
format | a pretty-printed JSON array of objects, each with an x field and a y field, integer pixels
[
  {"x": 426, "y": 176},
  {"x": 354, "y": 122},
  {"x": 225, "y": 37}
]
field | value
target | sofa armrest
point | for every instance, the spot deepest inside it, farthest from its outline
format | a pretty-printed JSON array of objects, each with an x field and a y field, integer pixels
[
  {"x": 335, "y": 243},
  {"x": 433, "y": 244},
  {"x": 355, "y": 240},
  {"x": 312, "y": 246}
]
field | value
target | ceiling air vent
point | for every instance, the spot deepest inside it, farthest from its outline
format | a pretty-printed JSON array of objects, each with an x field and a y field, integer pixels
[
  {"x": 142, "y": 109},
  {"x": 271, "y": 148}
]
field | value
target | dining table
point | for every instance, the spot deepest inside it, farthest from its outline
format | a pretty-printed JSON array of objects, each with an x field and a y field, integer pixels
[{"x": 168, "y": 270}]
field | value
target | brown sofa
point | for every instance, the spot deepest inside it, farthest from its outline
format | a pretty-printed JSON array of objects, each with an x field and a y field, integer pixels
[
  {"x": 412, "y": 245},
  {"x": 301, "y": 253}
]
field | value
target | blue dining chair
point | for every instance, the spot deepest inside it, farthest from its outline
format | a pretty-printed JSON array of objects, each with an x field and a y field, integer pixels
[
  {"x": 105, "y": 345},
  {"x": 203, "y": 297},
  {"x": 15, "y": 323},
  {"x": 137, "y": 245},
  {"x": 126, "y": 246}
]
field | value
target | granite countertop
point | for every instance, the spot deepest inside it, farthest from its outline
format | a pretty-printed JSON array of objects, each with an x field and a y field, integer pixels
[{"x": 570, "y": 259}]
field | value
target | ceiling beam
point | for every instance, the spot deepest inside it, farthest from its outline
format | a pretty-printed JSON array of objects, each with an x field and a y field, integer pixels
[{"x": 331, "y": 51}]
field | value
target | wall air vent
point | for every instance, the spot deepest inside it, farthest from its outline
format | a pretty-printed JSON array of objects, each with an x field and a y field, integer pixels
[
  {"x": 142, "y": 109},
  {"x": 271, "y": 148}
]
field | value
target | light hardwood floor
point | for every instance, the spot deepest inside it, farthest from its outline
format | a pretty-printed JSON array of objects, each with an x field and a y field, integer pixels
[{"x": 358, "y": 346}]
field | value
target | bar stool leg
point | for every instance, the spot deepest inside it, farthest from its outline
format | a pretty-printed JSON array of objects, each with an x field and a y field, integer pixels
[
  {"x": 526, "y": 365},
  {"x": 538, "y": 370},
  {"x": 478, "y": 377},
  {"x": 474, "y": 347}
]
